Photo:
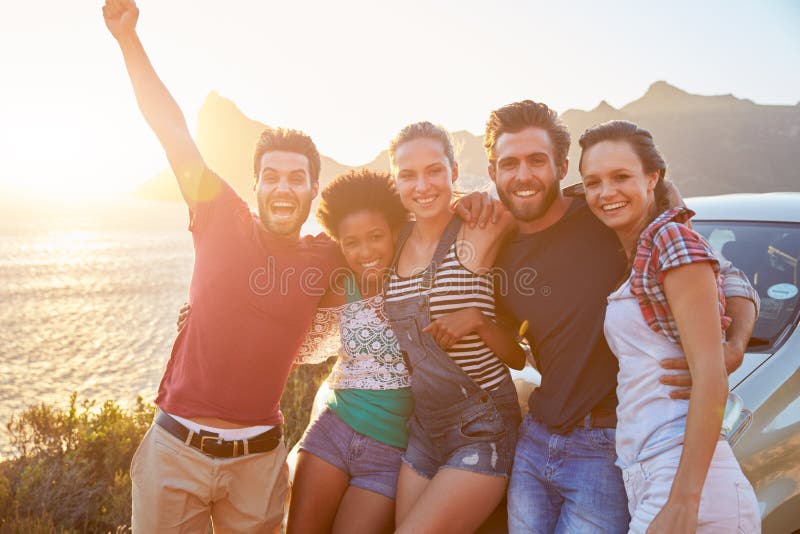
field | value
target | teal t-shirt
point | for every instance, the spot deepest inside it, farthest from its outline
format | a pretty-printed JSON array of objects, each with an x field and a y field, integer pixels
[{"x": 380, "y": 414}]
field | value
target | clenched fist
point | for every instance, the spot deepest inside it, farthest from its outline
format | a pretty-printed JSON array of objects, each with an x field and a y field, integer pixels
[{"x": 120, "y": 17}]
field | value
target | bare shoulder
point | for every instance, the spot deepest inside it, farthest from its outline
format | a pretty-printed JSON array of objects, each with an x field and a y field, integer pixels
[{"x": 335, "y": 293}]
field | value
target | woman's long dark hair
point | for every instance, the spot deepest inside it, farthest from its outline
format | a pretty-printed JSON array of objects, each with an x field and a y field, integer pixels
[{"x": 641, "y": 141}]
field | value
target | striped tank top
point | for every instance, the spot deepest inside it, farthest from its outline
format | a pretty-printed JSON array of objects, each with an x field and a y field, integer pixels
[{"x": 454, "y": 288}]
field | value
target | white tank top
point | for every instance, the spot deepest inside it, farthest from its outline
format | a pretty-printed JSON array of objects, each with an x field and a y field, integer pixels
[{"x": 649, "y": 421}]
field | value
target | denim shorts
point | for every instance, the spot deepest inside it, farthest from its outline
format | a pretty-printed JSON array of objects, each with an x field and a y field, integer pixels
[
  {"x": 371, "y": 464},
  {"x": 478, "y": 437},
  {"x": 727, "y": 503}
]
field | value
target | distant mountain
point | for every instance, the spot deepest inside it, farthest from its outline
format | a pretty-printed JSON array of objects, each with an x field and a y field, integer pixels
[
  {"x": 226, "y": 138},
  {"x": 713, "y": 144}
]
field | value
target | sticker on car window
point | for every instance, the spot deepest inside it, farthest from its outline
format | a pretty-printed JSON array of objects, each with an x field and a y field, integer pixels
[{"x": 782, "y": 291}]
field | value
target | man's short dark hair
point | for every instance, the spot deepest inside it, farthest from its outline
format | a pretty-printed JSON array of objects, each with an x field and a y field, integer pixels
[
  {"x": 518, "y": 116},
  {"x": 287, "y": 140},
  {"x": 360, "y": 190}
]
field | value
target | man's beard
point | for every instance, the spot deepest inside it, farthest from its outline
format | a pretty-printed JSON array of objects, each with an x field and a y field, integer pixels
[
  {"x": 284, "y": 227},
  {"x": 530, "y": 211}
]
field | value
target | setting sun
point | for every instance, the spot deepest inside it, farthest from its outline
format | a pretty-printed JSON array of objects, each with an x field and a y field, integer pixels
[{"x": 353, "y": 73}]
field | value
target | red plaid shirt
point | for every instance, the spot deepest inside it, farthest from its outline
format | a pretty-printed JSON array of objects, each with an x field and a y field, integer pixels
[{"x": 666, "y": 244}]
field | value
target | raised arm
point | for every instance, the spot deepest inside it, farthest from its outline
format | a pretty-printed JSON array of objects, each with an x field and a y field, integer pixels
[{"x": 155, "y": 102}]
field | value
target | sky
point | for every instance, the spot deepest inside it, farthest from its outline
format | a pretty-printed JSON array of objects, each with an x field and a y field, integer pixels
[{"x": 351, "y": 73}]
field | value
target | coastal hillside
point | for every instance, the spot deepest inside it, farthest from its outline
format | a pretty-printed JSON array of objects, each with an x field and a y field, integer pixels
[{"x": 713, "y": 144}]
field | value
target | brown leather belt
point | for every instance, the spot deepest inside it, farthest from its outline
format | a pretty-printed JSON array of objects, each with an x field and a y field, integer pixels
[
  {"x": 597, "y": 418},
  {"x": 210, "y": 443}
]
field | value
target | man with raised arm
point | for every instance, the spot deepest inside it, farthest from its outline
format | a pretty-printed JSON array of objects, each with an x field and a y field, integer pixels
[{"x": 215, "y": 449}]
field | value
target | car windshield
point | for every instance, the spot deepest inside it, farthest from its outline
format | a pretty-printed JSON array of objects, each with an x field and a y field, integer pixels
[{"x": 768, "y": 254}]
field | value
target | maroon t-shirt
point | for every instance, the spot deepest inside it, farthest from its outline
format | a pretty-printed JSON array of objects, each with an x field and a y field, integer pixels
[{"x": 253, "y": 297}]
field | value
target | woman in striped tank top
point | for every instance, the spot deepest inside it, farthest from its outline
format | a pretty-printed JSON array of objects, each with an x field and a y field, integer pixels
[{"x": 440, "y": 303}]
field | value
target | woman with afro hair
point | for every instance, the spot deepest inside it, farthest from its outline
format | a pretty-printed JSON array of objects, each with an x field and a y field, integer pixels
[{"x": 349, "y": 457}]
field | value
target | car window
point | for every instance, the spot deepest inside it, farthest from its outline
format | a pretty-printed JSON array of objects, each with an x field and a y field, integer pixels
[{"x": 768, "y": 253}]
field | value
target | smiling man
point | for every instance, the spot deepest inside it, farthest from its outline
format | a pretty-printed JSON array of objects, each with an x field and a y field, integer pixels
[
  {"x": 215, "y": 449},
  {"x": 564, "y": 477}
]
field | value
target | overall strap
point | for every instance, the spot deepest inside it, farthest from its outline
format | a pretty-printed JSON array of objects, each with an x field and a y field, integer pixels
[
  {"x": 402, "y": 237},
  {"x": 445, "y": 242}
]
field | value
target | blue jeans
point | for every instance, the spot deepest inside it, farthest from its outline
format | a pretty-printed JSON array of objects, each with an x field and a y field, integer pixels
[{"x": 566, "y": 483}]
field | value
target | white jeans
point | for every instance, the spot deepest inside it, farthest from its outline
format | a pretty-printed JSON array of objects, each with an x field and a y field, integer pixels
[{"x": 727, "y": 504}]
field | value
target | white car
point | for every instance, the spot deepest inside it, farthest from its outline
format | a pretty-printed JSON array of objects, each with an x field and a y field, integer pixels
[{"x": 760, "y": 234}]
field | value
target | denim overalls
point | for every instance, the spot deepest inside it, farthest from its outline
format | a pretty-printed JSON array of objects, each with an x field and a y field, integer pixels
[{"x": 455, "y": 423}]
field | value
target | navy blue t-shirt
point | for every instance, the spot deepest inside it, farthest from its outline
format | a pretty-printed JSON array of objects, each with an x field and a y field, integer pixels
[{"x": 558, "y": 279}]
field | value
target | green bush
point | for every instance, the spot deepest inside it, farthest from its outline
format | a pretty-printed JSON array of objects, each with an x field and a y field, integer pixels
[
  {"x": 299, "y": 395},
  {"x": 70, "y": 470}
]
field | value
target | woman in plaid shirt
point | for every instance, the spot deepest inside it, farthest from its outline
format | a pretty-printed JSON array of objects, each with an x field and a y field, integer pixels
[{"x": 673, "y": 455}]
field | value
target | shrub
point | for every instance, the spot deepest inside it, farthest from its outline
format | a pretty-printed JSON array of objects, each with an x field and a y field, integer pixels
[
  {"x": 71, "y": 467},
  {"x": 70, "y": 471},
  {"x": 299, "y": 395}
]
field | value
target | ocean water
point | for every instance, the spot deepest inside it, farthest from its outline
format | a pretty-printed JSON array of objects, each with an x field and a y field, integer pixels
[{"x": 89, "y": 295}]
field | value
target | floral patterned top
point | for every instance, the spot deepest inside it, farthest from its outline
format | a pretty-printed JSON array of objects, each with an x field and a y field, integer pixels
[{"x": 359, "y": 334}]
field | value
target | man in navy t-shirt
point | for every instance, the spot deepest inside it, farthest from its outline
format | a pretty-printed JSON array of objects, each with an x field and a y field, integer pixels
[{"x": 564, "y": 477}]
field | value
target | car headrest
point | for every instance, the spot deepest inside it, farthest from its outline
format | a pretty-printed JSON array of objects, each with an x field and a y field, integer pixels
[
  {"x": 737, "y": 251},
  {"x": 744, "y": 255}
]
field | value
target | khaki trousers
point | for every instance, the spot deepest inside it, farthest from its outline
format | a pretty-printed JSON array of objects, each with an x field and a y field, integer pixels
[{"x": 176, "y": 488}]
